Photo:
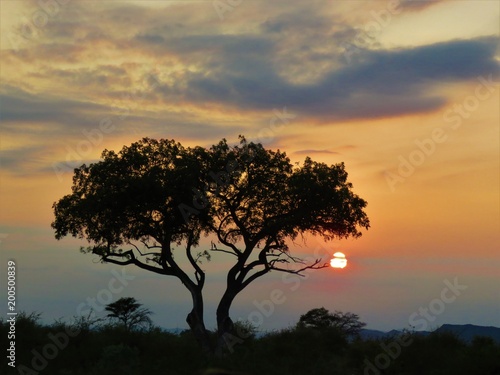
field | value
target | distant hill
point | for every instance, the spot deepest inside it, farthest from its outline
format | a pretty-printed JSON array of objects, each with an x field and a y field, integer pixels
[
  {"x": 176, "y": 331},
  {"x": 374, "y": 334},
  {"x": 466, "y": 332}
]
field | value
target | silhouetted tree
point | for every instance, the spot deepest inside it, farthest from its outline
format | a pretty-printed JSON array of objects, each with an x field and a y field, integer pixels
[
  {"x": 348, "y": 323},
  {"x": 136, "y": 205},
  {"x": 129, "y": 313}
]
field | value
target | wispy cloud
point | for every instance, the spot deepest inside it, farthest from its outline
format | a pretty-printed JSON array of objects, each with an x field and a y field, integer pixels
[
  {"x": 418, "y": 5},
  {"x": 293, "y": 58},
  {"x": 310, "y": 152}
]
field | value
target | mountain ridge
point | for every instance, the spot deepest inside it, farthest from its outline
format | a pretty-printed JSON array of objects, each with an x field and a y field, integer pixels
[{"x": 466, "y": 332}]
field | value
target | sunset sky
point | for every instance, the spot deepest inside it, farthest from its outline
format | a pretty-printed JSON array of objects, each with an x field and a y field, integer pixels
[{"x": 406, "y": 93}]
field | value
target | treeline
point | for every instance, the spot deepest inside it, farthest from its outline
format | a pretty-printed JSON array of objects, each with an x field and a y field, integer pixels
[{"x": 110, "y": 349}]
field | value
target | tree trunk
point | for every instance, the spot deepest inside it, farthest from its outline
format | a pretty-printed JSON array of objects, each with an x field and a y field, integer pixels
[
  {"x": 226, "y": 339},
  {"x": 197, "y": 324}
]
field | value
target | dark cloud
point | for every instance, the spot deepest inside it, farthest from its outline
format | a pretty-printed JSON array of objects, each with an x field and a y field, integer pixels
[
  {"x": 21, "y": 107},
  {"x": 26, "y": 113},
  {"x": 378, "y": 84},
  {"x": 149, "y": 38},
  {"x": 101, "y": 76},
  {"x": 284, "y": 58},
  {"x": 59, "y": 125},
  {"x": 417, "y": 5},
  {"x": 301, "y": 19},
  {"x": 25, "y": 161}
]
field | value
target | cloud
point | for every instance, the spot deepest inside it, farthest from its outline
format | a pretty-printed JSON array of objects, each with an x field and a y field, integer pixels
[
  {"x": 25, "y": 108},
  {"x": 417, "y": 5},
  {"x": 311, "y": 151},
  {"x": 291, "y": 58},
  {"x": 379, "y": 84},
  {"x": 24, "y": 111},
  {"x": 50, "y": 125},
  {"x": 25, "y": 160},
  {"x": 101, "y": 75}
]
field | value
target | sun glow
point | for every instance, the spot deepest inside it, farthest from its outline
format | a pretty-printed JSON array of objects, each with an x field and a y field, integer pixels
[{"x": 339, "y": 260}]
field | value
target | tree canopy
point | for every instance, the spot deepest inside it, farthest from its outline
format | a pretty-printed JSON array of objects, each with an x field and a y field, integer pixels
[
  {"x": 129, "y": 313},
  {"x": 138, "y": 205},
  {"x": 347, "y": 323}
]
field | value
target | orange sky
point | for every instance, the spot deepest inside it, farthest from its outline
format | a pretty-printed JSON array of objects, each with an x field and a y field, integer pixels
[{"x": 406, "y": 96}]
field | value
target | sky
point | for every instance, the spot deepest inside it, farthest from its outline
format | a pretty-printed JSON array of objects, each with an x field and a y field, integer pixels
[{"x": 405, "y": 93}]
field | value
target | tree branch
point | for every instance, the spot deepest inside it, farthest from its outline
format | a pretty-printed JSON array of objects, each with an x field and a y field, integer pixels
[
  {"x": 224, "y": 241},
  {"x": 313, "y": 266},
  {"x": 154, "y": 246},
  {"x": 256, "y": 275},
  {"x": 236, "y": 219},
  {"x": 290, "y": 257},
  {"x": 168, "y": 261},
  {"x": 270, "y": 265},
  {"x": 199, "y": 274},
  {"x": 261, "y": 261},
  {"x": 133, "y": 260},
  {"x": 145, "y": 254},
  {"x": 223, "y": 251}
]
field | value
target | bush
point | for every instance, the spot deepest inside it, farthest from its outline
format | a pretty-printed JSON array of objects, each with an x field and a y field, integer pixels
[{"x": 112, "y": 350}]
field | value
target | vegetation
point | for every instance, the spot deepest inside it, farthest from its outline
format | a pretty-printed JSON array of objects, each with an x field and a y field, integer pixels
[
  {"x": 109, "y": 349},
  {"x": 320, "y": 318},
  {"x": 128, "y": 312},
  {"x": 156, "y": 197}
]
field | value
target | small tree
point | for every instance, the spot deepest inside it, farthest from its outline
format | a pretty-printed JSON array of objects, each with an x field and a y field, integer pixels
[
  {"x": 348, "y": 323},
  {"x": 129, "y": 312}
]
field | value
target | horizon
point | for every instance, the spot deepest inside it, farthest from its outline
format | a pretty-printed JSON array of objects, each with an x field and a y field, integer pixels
[{"x": 404, "y": 93}]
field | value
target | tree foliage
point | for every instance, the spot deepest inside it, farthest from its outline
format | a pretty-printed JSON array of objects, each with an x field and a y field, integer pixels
[
  {"x": 129, "y": 313},
  {"x": 155, "y": 197},
  {"x": 132, "y": 196},
  {"x": 348, "y": 323}
]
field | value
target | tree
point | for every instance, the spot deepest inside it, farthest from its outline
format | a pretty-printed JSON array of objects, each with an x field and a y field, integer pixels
[
  {"x": 129, "y": 313},
  {"x": 155, "y": 197},
  {"x": 348, "y": 323}
]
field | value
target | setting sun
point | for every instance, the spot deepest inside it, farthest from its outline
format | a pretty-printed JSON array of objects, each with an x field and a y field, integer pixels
[{"x": 339, "y": 260}]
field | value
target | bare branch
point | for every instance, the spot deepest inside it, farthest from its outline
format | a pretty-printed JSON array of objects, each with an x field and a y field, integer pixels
[
  {"x": 133, "y": 260},
  {"x": 289, "y": 257},
  {"x": 313, "y": 266},
  {"x": 224, "y": 251},
  {"x": 236, "y": 219},
  {"x": 223, "y": 240},
  {"x": 229, "y": 232},
  {"x": 270, "y": 266},
  {"x": 154, "y": 246},
  {"x": 255, "y": 276},
  {"x": 145, "y": 254}
]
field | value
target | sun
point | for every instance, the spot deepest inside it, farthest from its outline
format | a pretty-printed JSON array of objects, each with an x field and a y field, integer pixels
[{"x": 339, "y": 260}]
